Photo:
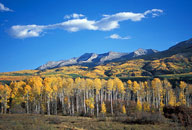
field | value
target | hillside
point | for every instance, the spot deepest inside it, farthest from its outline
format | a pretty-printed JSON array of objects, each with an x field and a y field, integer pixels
[{"x": 176, "y": 60}]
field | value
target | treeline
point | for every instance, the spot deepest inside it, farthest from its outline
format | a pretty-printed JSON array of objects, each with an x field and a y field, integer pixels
[{"x": 80, "y": 96}]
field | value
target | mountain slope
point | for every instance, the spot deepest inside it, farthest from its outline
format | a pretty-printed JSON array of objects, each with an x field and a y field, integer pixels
[
  {"x": 173, "y": 63},
  {"x": 183, "y": 48},
  {"x": 93, "y": 59}
]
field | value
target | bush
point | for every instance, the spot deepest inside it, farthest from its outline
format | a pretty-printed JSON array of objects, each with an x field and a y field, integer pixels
[
  {"x": 181, "y": 114},
  {"x": 146, "y": 118},
  {"x": 141, "y": 118}
]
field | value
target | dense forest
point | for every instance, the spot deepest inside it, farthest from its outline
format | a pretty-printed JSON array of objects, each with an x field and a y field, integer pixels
[{"x": 93, "y": 97}]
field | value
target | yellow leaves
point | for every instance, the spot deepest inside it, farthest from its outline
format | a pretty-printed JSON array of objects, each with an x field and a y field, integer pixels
[
  {"x": 91, "y": 106},
  {"x": 172, "y": 99},
  {"x": 66, "y": 100},
  {"x": 27, "y": 89},
  {"x": 110, "y": 85},
  {"x": 124, "y": 109},
  {"x": 77, "y": 81},
  {"x": 167, "y": 84},
  {"x": 146, "y": 106},
  {"x": 36, "y": 84},
  {"x": 161, "y": 106},
  {"x": 129, "y": 83},
  {"x": 55, "y": 88},
  {"x": 156, "y": 82},
  {"x": 119, "y": 85},
  {"x": 178, "y": 104},
  {"x": 135, "y": 87},
  {"x": 103, "y": 108},
  {"x": 89, "y": 84},
  {"x": 90, "y": 103},
  {"x": 97, "y": 85},
  {"x": 139, "y": 105},
  {"x": 182, "y": 98},
  {"x": 182, "y": 85},
  {"x": 5, "y": 92},
  {"x": 90, "y": 74}
]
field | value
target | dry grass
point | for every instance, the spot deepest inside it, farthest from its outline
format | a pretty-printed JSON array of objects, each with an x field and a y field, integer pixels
[{"x": 40, "y": 122}]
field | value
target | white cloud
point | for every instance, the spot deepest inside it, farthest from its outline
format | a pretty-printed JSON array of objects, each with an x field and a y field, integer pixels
[
  {"x": 116, "y": 36},
  {"x": 107, "y": 23},
  {"x": 154, "y": 12},
  {"x": 3, "y": 8},
  {"x": 74, "y": 25},
  {"x": 27, "y": 31},
  {"x": 74, "y": 15}
]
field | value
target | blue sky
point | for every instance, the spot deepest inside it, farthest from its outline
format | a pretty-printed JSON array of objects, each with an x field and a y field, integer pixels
[{"x": 33, "y": 32}]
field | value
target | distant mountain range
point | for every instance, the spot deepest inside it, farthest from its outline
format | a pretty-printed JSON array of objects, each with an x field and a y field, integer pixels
[{"x": 93, "y": 59}]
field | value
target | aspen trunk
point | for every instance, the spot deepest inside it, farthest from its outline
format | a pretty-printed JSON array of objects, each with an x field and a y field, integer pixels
[
  {"x": 27, "y": 104},
  {"x": 111, "y": 104},
  {"x": 97, "y": 105},
  {"x": 48, "y": 106}
]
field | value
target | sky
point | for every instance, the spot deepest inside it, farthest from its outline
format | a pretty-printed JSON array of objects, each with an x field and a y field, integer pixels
[{"x": 33, "y": 32}]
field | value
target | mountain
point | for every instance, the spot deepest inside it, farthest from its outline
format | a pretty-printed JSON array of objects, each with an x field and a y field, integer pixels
[
  {"x": 181, "y": 48},
  {"x": 93, "y": 59},
  {"x": 175, "y": 63}
]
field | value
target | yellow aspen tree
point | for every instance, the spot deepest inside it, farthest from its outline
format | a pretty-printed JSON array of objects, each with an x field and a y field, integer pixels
[
  {"x": 129, "y": 83},
  {"x": 161, "y": 106},
  {"x": 69, "y": 92},
  {"x": 182, "y": 98},
  {"x": 146, "y": 107},
  {"x": 5, "y": 92},
  {"x": 19, "y": 98},
  {"x": 147, "y": 91},
  {"x": 97, "y": 85},
  {"x": 135, "y": 89},
  {"x": 124, "y": 109},
  {"x": 103, "y": 90},
  {"x": 90, "y": 103},
  {"x": 120, "y": 86},
  {"x": 157, "y": 92},
  {"x": 128, "y": 90},
  {"x": 110, "y": 86},
  {"x": 77, "y": 88},
  {"x": 48, "y": 92},
  {"x": 103, "y": 108},
  {"x": 87, "y": 93},
  {"x": 27, "y": 95},
  {"x": 172, "y": 98},
  {"x": 167, "y": 88},
  {"x": 139, "y": 105},
  {"x": 36, "y": 88},
  {"x": 188, "y": 94}
]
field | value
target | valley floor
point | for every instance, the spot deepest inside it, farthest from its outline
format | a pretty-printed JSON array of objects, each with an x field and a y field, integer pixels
[{"x": 43, "y": 122}]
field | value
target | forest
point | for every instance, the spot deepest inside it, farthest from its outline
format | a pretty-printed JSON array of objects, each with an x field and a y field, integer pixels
[{"x": 92, "y": 97}]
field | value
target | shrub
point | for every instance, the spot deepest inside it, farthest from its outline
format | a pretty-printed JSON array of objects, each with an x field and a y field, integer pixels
[
  {"x": 181, "y": 114},
  {"x": 146, "y": 118}
]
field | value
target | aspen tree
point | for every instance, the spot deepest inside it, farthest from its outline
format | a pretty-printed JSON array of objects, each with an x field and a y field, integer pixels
[
  {"x": 5, "y": 92},
  {"x": 124, "y": 109},
  {"x": 97, "y": 85},
  {"x": 182, "y": 87},
  {"x": 27, "y": 95},
  {"x": 110, "y": 85},
  {"x": 103, "y": 108}
]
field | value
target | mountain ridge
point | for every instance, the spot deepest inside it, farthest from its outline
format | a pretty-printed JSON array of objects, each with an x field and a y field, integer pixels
[{"x": 93, "y": 59}]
